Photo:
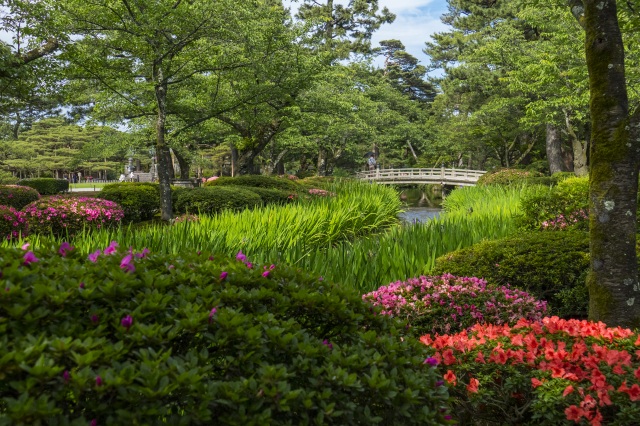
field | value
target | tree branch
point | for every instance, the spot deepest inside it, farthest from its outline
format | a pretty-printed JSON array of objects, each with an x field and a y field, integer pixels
[{"x": 577, "y": 10}]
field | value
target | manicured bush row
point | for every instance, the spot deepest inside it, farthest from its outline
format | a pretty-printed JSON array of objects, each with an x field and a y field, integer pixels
[
  {"x": 128, "y": 337},
  {"x": 259, "y": 181},
  {"x": 17, "y": 196},
  {"x": 449, "y": 304},
  {"x": 139, "y": 200},
  {"x": 552, "y": 266},
  {"x": 273, "y": 196},
  {"x": 211, "y": 200},
  {"x": 67, "y": 216},
  {"x": 506, "y": 177},
  {"x": 554, "y": 372},
  {"x": 46, "y": 186}
]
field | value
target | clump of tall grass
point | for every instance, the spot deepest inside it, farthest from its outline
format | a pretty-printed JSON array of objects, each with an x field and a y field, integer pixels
[{"x": 358, "y": 209}]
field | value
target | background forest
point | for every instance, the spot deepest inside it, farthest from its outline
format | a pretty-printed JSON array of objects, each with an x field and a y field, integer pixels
[{"x": 230, "y": 89}]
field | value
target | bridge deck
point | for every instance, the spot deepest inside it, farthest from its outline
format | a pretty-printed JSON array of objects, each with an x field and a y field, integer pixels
[{"x": 423, "y": 176}]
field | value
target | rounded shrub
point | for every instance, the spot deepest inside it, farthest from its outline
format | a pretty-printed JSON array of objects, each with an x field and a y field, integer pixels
[
  {"x": 552, "y": 266},
  {"x": 17, "y": 196},
  {"x": 124, "y": 337},
  {"x": 60, "y": 215},
  {"x": 139, "y": 200},
  {"x": 563, "y": 206},
  {"x": 449, "y": 304},
  {"x": 273, "y": 196},
  {"x": 211, "y": 200},
  {"x": 46, "y": 186},
  {"x": 506, "y": 177},
  {"x": 259, "y": 181},
  {"x": 549, "y": 372},
  {"x": 13, "y": 223}
]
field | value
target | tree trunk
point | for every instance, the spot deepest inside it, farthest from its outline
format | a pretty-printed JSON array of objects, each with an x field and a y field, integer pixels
[
  {"x": 614, "y": 292},
  {"x": 185, "y": 167},
  {"x": 322, "y": 163},
  {"x": 554, "y": 149},
  {"x": 579, "y": 148},
  {"x": 234, "y": 160},
  {"x": 164, "y": 155}
]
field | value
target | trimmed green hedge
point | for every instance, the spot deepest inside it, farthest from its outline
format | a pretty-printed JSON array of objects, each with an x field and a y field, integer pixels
[
  {"x": 139, "y": 200},
  {"x": 46, "y": 186},
  {"x": 506, "y": 177},
  {"x": 165, "y": 340},
  {"x": 258, "y": 181},
  {"x": 550, "y": 265},
  {"x": 17, "y": 196},
  {"x": 211, "y": 200},
  {"x": 273, "y": 196}
]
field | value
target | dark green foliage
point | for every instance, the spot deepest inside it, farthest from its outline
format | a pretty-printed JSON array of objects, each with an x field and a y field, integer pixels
[
  {"x": 550, "y": 265},
  {"x": 506, "y": 177},
  {"x": 210, "y": 200},
  {"x": 566, "y": 198},
  {"x": 46, "y": 186},
  {"x": 17, "y": 196},
  {"x": 141, "y": 344},
  {"x": 322, "y": 182},
  {"x": 259, "y": 181},
  {"x": 7, "y": 178},
  {"x": 273, "y": 196},
  {"x": 139, "y": 200}
]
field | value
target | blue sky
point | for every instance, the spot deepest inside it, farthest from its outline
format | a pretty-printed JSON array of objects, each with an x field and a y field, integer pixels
[{"x": 415, "y": 21}]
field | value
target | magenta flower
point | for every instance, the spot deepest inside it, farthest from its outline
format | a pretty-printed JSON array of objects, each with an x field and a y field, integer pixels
[
  {"x": 81, "y": 285},
  {"x": 212, "y": 313},
  {"x": 25, "y": 246},
  {"x": 431, "y": 361},
  {"x": 240, "y": 256},
  {"x": 143, "y": 253},
  {"x": 95, "y": 318},
  {"x": 265, "y": 274},
  {"x": 98, "y": 381},
  {"x": 29, "y": 257},
  {"x": 223, "y": 275},
  {"x": 126, "y": 322},
  {"x": 94, "y": 422},
  {"x": 111, "y": 248},
  {"x": 65, "y": 248},
  {"x": 127, "y": 263},
  {"x": 94, "y": 256},
  {"x": 272, "y": 267},
  {"x": 327, "y": 344},
  {"x": 66, "y": 376},
  {"x": 249, "y": 265}
]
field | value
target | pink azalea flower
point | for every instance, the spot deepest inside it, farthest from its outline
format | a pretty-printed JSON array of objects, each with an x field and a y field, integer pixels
[
  {"x": 127, "y": 322},
  {"x": 143, "y": 253},
  {"x": 29, "y": 257},
  {"x": 212, "y": 313},
  {"x": 223, "y": 275},
  {"x": 241, "y": 256},
  {"x": 111, "y": 249},
  {"x": 65, "y": 248},
  {"x": 66, "y": 376},
  {"x": 98, "y": 381},
  {"x": 94, "y": 256},
  {"x": 265, "y": 274},
  {"x": 127, "y": 263},
  {"x": 25, "y": 246}
]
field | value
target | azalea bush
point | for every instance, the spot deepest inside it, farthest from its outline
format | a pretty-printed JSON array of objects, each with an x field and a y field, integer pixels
[
  {"x": 17, "y": 196},
  {"x": 321, "y": 193},
  {"x": 259, "y": 181},
  {"x": 124, "y": 336},
  {"x": 212, "y": 200},
  {"x": 61, "y": 216},
  {"x": 552, "y": 266},
  {"x": 550, "y": 372},
  {"x": 448, "y": 304},
  {"x": 506, "y": 177},
  {"x": 13, "y": 223}
]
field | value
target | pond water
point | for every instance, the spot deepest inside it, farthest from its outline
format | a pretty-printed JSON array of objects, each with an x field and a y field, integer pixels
[{"x": 420, "y": 204}]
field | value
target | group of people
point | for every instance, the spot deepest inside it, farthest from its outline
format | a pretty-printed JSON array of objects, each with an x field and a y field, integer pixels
[
  {"x": 130, "y": 178},
  {"x": 76, "y": 177}
]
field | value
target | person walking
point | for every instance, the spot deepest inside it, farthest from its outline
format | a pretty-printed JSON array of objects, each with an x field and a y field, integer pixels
[{"x": 372, "y": 163}]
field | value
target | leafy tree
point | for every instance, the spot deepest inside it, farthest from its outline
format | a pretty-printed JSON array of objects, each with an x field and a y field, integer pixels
[{"x": 343, "y": 29}]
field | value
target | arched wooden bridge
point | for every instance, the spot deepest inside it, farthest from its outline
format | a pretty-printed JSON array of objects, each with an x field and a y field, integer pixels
[{"x": 442, "y": 176}]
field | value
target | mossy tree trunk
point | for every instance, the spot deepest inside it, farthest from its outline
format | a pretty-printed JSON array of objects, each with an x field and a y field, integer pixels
[
  {"x": 614, "y": 292},
  {"x": 554, "y": 149}
]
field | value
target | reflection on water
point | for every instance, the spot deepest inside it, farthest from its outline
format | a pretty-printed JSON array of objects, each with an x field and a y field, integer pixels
[
  {"x": 420, "y": 204},
  {"x": 419, "y": 214}
]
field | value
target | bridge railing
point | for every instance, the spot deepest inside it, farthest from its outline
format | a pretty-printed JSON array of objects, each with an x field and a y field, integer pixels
[{"x": 436, "y": 175}]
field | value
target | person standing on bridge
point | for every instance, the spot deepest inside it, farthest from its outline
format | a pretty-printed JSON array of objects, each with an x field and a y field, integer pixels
[{"x": 372, "y": 163}]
